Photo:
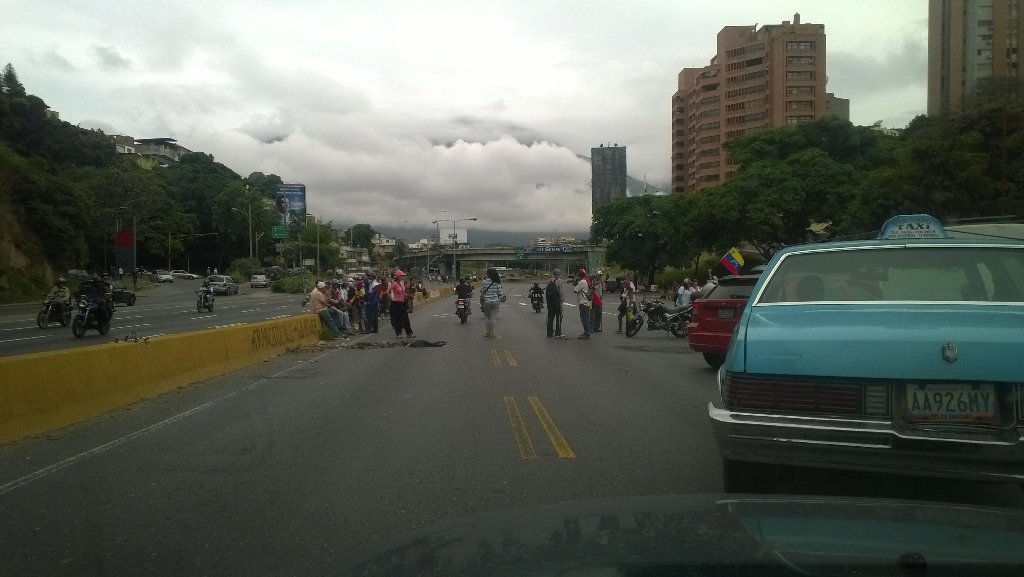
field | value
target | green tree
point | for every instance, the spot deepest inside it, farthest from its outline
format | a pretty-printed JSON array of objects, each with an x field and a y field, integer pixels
[
  {"x": 361, "y": 236},
  {"x": 9, "y": 83},
  {"x": 644, "y": 233}
]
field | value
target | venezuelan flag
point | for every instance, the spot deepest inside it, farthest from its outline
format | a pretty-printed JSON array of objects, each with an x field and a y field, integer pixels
[{"x": 733, "y": 260}]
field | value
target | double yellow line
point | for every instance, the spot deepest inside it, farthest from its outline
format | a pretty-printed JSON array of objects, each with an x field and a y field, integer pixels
[
  {"x": 526, "y": 449},
  {"x": 496, "y": 358}
]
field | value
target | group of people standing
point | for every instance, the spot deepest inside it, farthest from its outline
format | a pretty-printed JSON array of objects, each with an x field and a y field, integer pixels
[
  {"x": 588, "y": 300},
  {"x": 345, "y": 307}
]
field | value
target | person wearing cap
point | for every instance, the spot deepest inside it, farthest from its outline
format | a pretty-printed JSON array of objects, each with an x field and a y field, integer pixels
[
  {"x": 582, "y": 290},
  {"x": 684, "y": 293},
  {"x": 553, "y": 296},
  {"x": 322, "y": 308},
  {"x": 399, "y": 312}
]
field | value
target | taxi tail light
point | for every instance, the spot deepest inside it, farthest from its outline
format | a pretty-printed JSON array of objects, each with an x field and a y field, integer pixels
[{"x": 805, "y": 396}]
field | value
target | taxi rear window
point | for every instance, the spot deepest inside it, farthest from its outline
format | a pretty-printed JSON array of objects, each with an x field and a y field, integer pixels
[
  {"x": 903, "y": 274},
  {"x": 732, "y": 290}
]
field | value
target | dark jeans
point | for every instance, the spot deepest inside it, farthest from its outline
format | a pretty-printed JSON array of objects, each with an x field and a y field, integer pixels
[
  {"x": 371, "y": 317},
  {"x": 400, "y": 318},
  {"x": 596, "y": 314},
  {"x": 554, "y": 320}
]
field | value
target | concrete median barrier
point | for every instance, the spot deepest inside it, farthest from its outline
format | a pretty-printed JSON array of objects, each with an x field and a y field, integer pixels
[{"x": 44, "y": 391}]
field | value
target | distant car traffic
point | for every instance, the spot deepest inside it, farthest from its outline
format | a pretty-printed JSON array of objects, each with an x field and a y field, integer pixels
[
  {"x": 222, "y": 284},
  {"x": 715, "y": 316},
  {"x": 123, "y": 295},
  {"x": 900, "y": 354},
  {"x": 162, "y": 276},
  {"x": 259, "y": 281},
  {"x": 184, "y": 274}
]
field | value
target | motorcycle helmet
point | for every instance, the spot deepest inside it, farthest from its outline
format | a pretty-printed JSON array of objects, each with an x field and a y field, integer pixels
[
  {"x": 61, "y": 281},
  {"x": 206, "y": 283}
]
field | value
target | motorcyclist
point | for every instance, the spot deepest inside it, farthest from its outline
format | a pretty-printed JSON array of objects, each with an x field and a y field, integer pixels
[
  {"x": 98, "y": 291},
  {"x": 206, "y": 289},
  {"x": 536, "y": 293},
  {"x": 464, "y": 290},
  {"x": 61, "y": 296}
]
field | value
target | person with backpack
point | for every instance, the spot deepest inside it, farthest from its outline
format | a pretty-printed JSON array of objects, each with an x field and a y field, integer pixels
[
  {"x": 553, "y": 296},
  {"x": 491, "y": 298}
]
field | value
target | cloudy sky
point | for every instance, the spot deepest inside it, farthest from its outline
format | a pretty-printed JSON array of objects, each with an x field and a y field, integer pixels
[{"x": 394, "y": 111}]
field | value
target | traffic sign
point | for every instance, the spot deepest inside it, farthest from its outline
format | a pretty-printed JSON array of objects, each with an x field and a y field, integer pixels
[{"x": 280, "y": 231}]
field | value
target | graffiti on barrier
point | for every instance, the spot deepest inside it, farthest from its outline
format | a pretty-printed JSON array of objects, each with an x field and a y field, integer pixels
[{"x": 279, "y": 335}]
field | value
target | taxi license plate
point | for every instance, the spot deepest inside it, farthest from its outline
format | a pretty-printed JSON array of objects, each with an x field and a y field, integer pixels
[
  {"x": 952, "y": 403},
  {"x": 726, "y": 313}
]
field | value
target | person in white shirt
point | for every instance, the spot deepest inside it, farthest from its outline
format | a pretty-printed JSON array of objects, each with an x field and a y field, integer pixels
[
  {"x": 582, "y": 290},
  {"x": 684, "y": 294}
]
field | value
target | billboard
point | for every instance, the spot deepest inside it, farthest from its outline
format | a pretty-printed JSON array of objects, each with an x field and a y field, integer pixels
[
  {"x": 290, "y": 200},
  {"x": 459, "y": 235}
]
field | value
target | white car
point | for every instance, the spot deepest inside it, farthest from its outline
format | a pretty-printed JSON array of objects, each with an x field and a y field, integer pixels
[
  {"x": 162, "y": 276},
  {"x": 259, "y": 280},
  {"x": 184, "y": 274}
]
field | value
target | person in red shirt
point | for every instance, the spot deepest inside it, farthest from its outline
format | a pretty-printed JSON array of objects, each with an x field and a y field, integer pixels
[{"x": 399, "y": 312}]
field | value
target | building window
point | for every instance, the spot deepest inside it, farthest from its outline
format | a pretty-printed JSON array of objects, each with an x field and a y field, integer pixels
[
  {"x": 746, "y": 118},
  {"x": 710, "y": 138},
  {"x": 710, "y": 178},
  {"x": 745, "y": 90},
  {"x": 736, "y": 52},
  {"x": 792, "y": 45},
  {"x": 800, "y": 75},
  {"x": 748, "y": 104},
  {"x": 709, "y": 126},
  {"x": 799, "y": 61},
  {"x": 712, "y": 164},
  {"x": 707, "y": 113},
  {"x": 800, "y": 105},
  {"x": 709, "y": 100},
  {"x": 798, "y": 119},
  {"x": 745, "y": 64},
  {"x": 708, "y": 152},
  {"x": 746, "y": 77},
  {"x": 799, "y": 90}
]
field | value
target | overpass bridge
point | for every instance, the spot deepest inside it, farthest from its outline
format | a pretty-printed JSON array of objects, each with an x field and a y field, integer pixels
[{"x": 449, "y": 261}]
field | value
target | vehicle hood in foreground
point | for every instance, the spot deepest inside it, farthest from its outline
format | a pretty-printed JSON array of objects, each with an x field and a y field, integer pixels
[
  {"x": 713, "y": 535},
  {"x": 979, "y": 343}
]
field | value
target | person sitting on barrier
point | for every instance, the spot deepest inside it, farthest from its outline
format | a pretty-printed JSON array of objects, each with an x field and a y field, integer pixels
[{"x": 329, "y": 315}]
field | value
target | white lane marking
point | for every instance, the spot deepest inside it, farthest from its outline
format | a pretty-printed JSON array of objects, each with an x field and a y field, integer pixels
[
  {"x": 24, "y": 339},
  {"x": 119, "y": 327},
  {"x": 227, "y": 325},
  {"x": 20, "y": 328},
  {"x": 277, "y": 317},
  {"x": 46, "y": 471}
]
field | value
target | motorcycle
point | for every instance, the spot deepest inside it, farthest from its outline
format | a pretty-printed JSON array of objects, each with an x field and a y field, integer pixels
[
  {"x": 659, "y": 318},
  {"x": 50, "y": 312},
  {"x": 204, "y": 300},
  {"x": 462, "y": 309},
  {"x": 537, "y": 301},
  {"x": 92, "y": 315}
]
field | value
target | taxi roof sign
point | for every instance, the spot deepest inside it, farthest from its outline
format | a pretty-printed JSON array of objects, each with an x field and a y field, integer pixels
[{"x": 906, "y": 226}]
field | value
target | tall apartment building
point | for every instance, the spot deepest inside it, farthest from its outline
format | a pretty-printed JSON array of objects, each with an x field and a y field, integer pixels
[
  {"x": 768, "y": 76},
  {"x": 970, "y": 42},
  {"x": 607, "y": 175}
]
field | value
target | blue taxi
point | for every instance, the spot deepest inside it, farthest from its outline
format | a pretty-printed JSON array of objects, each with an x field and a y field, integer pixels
[{"x": 901, "y": 354}]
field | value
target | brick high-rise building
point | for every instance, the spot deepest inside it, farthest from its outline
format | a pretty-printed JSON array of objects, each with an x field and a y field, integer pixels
[
  {"x": 768, "y": 76},
  {"x": 970, "y": 42}
]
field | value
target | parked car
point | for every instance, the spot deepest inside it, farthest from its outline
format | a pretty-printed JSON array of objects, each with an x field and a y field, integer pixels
[
  {"x": 162, "y": 276},
  {"x": 259, "y": 280},
  {"x": 715, "y": 316},
  {"x": 123, "y": 295},
  {"x": 184, "y": 274},
  {"x": 222, "y": 284},
  {"x": 900, "y": 354}
]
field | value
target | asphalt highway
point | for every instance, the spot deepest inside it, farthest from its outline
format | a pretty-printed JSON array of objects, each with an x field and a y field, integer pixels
[
  {"x": 161, "y": 309},
  {"x": 293, "y": 466}
]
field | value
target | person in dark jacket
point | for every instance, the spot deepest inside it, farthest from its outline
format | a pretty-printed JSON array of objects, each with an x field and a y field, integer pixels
[{"x": 553, "y": 296}]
